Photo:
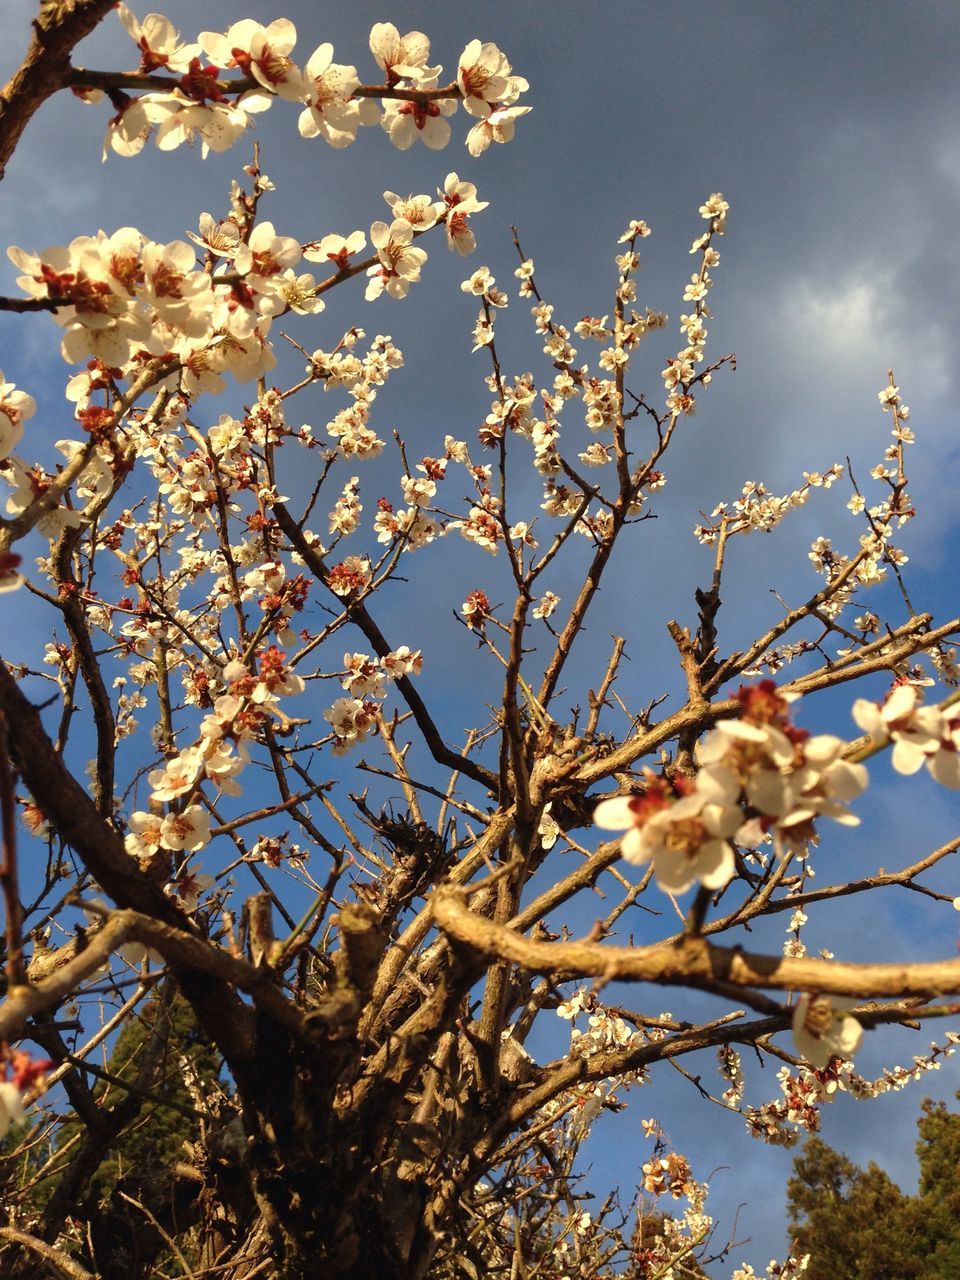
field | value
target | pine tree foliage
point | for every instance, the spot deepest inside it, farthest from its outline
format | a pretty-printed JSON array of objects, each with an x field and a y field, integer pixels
[{"x": 856, "y": 1224}]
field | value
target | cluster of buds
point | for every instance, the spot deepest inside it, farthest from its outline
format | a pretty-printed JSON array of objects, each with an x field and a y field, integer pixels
[
  {"x": 759, "y": 510},
  {"x": 680, "y": 373},
  {"x": 792, "y": 1268},
  {"x": 476, "y": 610},
  {"x": 729, "y": 1066},
  {"x": 360, "y": 377},
  {"x": 482, "y": 525}
]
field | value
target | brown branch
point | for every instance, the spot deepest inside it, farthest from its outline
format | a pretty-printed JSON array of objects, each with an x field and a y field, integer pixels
[
  {"x": 359, "y": 615},
  {"x": 701, "y": 716},
  {"x": 57, "y": 28},
  {"x": 23, "y": 305},
  {"x": 691, "y": 962},
  {"x": 883, "y": 879},
  {"x": 598, "y": 699},
  {"x": 183, "y": 952},
  {"x": 57, "y": 1263},
  {"x": 574, "y": 625},
  {"x": 71, "y": 812},
  {"x": 85, "y": 78},
  {"x": 13, "y": 910},
  {"x": 75, "y": 617}
]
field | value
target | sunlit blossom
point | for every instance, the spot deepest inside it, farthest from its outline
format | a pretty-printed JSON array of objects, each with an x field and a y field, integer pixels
[{"x": 823, "y": 1029}]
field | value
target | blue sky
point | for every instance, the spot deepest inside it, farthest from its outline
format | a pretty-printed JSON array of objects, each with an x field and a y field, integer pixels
[{"x": 833, "y": 132}]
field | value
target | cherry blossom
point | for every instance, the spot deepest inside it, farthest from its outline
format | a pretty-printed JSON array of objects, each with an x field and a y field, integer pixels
[
  {"x": 546, "y": 605},
  {"x": 548, "y": 829},
  {"x": 420, "y": 211},
  {"x": 405, "y": 122},
  {"x": 217, "y": 124},
  {"x": 482, "y": 525},
  {"x": 349, "y": 576},
  {"x": 402, "y": 662},
  {"x": 400, "y": 260},
  {"x": 335, "y": 248},
  {"x": 401, "y": 57},
  {"x": 128, "y": 130},
  {"x": 180, "y": 295},
  {"x": 363, "y": 677},
  {"x": 686, "y": 839},
  {"x": 262, "y": 52},
  {"x": 188, "y": 888},
  {"x": 498, "y": 126},
  {"x": 176, "y": 777},
  {"x": 351, "y": 721},
  {"x": 188, "y": 829},
  {"x": 476, "y": 609},
  {"x": 331, "y": 112},
  {"x": 823, "y": 1029},
  {"x": 144, "y": 837},
  {"x": 158, "y": 41},
  {"x": 460, "y": 199},
  {"x": 219, "y": 238},
  {"x": 15, "y": 408},
  {"x": 916, "y": 730},
  {"x": 483, "y": 75}
]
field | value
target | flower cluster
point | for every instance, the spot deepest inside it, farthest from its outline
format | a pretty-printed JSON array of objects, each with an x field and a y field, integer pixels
[
  {"x": 729, "y": 1066},
  {"x": 792, "y": 1268},
  {"x": 201, "y": 105},
  {"x": 805, "y": 1091},
  {"x": 921, "y": 735},
  {"x": 758, "y": 774},
  {"x": 476, "y": 610},
  {"x": 759, "y": 510},
  {"x": 670, "y": 1173},
  {"x": 365, "y": 679},
  {"x": 155, "y": 315},
  {"x": 227, "y": 732},
  {"x": 680, "y": 373}
]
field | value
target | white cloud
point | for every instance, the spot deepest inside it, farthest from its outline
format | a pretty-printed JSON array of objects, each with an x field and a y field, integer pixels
[{"x": 855, "y": 324}]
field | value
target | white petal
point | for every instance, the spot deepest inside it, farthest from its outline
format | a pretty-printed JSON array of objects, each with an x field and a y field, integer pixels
[
  {"x": 846, "y": 1037},
  {"x": 906, "y": 757},
  {"x": 614, "y": 814},
  {"x": 715, "y": 865},
  {"x": 945, "y": 767},
  {"x": 719, "y": 783}
]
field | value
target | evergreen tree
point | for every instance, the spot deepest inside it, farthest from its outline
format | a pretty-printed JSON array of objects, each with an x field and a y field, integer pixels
[
  {"x": 159, "y": 1126},
  {"x": 938, "y": 1150},
  {"x": 857, "y": 1224}
]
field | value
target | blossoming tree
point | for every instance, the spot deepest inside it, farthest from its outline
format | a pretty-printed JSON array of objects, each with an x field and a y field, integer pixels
[{"x": 365, "y": 915}]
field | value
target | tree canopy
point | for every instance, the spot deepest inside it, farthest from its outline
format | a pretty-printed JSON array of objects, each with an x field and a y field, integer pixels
[
  {"x": 333, "y": 824},
  {"x": 856, "y": 1224}
]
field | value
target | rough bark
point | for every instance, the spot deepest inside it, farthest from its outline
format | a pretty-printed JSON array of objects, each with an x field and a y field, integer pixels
[{"x": 57, "y": 29}]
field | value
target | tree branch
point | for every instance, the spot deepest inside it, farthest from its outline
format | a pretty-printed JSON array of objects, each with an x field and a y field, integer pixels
[
  {"x": 57, "y": 28},
  {"x": 690, "y": 962}
]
